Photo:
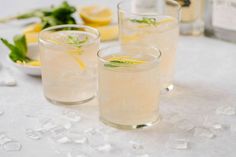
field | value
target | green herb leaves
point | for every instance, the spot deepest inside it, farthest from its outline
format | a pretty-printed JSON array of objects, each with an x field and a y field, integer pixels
[
  {"x": 116, "y": 64},
  {"x": 123, "y": 61},
  {"x": 53, "y": 16},
  {"x": 75, "y": 41},
  {"x": 58, "y": 15},
  {"x": 145, "y": 20},
  {"x": 18, "y": 50}
]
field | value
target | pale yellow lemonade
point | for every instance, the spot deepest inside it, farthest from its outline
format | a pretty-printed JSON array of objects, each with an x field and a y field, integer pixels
[
  {"x": 129, "y": 90},
  {"x": 161, "y": 32},
  {"x": 69, "y": 65}
]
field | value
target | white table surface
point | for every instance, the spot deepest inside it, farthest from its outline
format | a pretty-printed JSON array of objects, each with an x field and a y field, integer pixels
[{"x": 205, "y": 80}]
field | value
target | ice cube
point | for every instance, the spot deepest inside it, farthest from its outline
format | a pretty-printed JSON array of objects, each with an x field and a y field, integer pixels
[
  {"x": 135, "y": 145},
  {"x": 67, "y": 125},
  {"x": 104, "y": 148},
  {"x": 63, "y": 140},
  {"x": 217, "y": 126},
  {"x": 203, "y": 132},
  {"x": 7, "y": 79},
  {"x": 184, "y": 125},
  {"x": 12, "y": 146},
  {"x": 48, "y": 125},
  {"x": 4, "y": 138},
  {"x": 58, "y": 130},
  {"x": 173, "y": 118},
  {"x": 35, "y": 135},
  {"x": 178, "y": 144},
  {"x": 226, "y": 110},
  {"x": 72, "y": 116},
  {"x": 81, "y": 140}
]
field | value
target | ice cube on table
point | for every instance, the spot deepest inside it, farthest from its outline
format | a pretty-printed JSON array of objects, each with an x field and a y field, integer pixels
[
  {"x": 104, "y": 148},
  {"x": 184, "y": 125},
  {"x": 4, "y": 138},
  {"x": 203, "y": 132},
  {"x": 226, "y": 110},
  {"x": 35, "y": 135},
  {"x": 72, "y": 116},
  {"x": 63, "y": 140},
  {"x": 218, "y": 126},
  {"x": 12, "y": 146},
  {"x": 177, "y": 142},
  {"x": 136, "y": 145}
]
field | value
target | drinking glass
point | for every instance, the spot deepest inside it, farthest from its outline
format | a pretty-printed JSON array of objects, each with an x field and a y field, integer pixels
[
  {"x": 153, "y": 23},
  {"x": 128, "y": 86},
  {"x": 68, "y": 57}
]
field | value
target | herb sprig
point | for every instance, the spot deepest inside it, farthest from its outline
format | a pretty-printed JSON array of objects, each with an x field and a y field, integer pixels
[
  {"x": 53, "y": 16},
  {"x": 123, "y": 61},
  {"x": 145, "y": 20},
  {"x": 18, "y": 50},
  {"x": 75, "y": 41}
]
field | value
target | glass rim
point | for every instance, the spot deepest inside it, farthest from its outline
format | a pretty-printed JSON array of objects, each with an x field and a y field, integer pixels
[
  {"x": 40, "y": 38},
  {"x": 102, "y": 59},
  {"x": 150, "y": 14}
]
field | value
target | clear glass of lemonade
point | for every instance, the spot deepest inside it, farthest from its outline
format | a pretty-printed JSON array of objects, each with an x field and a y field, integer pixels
[
  {"x": 128, "y": 86},
  {"x": 154, "y": 23},
  {"x": 69, "y": 61}
]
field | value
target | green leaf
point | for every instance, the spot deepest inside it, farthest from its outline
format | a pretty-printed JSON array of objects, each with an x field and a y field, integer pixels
[
  {"x": 116, "y": 63},
  {"x": 20, "y": 43},
  {"x": 145, "y": 20},
  {"x": 17, "y": 51},
  {"x": 75, "y": 41},
  {"x": 50, "y": 16},
  {"x": 63, "y": 9}
]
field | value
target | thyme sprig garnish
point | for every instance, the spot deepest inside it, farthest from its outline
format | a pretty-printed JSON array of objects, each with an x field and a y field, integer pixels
[
  {"x": 75, "y": 41},
  {"x": 145, "y": 20}
]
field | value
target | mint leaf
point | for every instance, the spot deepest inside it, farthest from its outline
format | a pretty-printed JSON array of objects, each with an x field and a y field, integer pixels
[
  {"x": 19, "y": 50},
  {"x": 20, "y": 43}
]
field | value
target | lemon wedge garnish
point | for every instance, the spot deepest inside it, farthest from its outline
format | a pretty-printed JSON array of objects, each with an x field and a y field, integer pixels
[
  {"x": 37, "y": 27},
  {"x": 126, "y": 59},
  {"x": 34, "y": 63},
  {"x": 96, "y": 15},
  {"x": 75, "y": 54},
  {"x": 32, "y": 37}
]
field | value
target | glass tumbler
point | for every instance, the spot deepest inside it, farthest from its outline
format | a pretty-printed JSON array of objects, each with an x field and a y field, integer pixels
[
  {"x": 68, "y": 58},
  {"x": 128, "y": 86},
  {"x": 153, "y": 23}
]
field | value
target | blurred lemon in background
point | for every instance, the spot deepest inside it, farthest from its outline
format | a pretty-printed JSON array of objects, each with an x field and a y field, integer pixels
[{"x": 96, "y": 15}]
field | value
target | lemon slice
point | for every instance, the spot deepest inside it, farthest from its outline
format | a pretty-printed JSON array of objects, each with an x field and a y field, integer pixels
[
  {"x": 34, "y": 63},
  {"x": 126, "y": 59},
  {"x": 75, "y": 55},
  {"x": 108, "y": 32},
  {"x": 96, "y": 15},
  {"x": 31, "y": 37},
  {"x": 37, "y": 27}
]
